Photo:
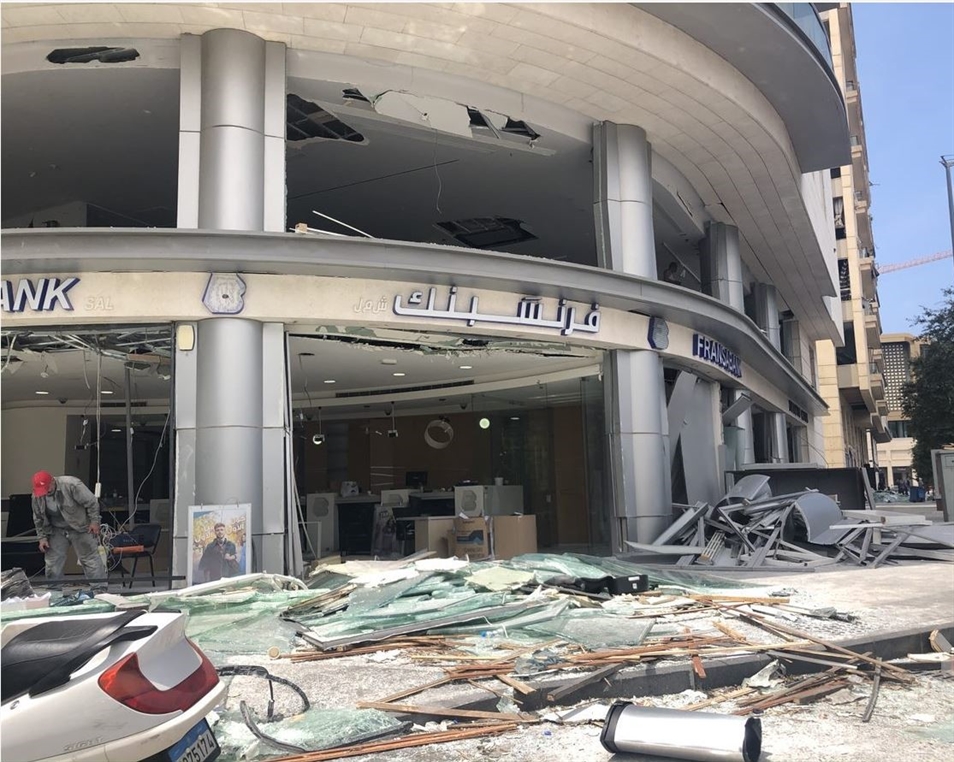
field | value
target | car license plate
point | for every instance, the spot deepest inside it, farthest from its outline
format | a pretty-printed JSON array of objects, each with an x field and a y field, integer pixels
[{"x": 198, "y": 745}]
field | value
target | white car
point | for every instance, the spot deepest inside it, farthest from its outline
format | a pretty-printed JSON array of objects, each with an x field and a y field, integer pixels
[{"x": 120, "y": 687}]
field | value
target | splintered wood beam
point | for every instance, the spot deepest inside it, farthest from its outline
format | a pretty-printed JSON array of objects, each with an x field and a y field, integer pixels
[
  {"x": 896, "y": 672},
  {"x": 517, "y": 685},
  {"x": 417, "y": 739},
  {"x": 568, "y": 689},
  {"x": 730, "y": 696},
  {"x": 418, "y": 689},
  {"x": 444, "y": 711}
]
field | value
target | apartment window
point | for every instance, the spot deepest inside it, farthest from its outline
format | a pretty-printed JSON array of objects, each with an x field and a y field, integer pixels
[
  {"x": 898, "y": 429},
  {"x": 855, "y": 140},
  {"x": 835, "y": 172},
  {"x": 851, "y": 85},
  {"x": 859, "y": 196},
  {"x": 838, "y": 211},
  {"x": 814, "y": 368},
  {"x": 848, "y": 354},
  {"x": 844, "y": 280}
]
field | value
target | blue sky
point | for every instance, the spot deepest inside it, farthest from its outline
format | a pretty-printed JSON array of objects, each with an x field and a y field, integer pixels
[{"x": 906, "y": 79}]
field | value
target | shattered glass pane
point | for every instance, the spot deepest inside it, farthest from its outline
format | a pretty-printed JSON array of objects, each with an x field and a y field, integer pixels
[
  {"x": 594, "y": 629},
  {"x": 311, "y": 730}
]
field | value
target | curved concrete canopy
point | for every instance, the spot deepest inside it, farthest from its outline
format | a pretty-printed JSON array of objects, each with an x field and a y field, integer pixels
[
  {"x": 767, "y": 48},
  {"x": 599, "y": 61},
  {"x": 133, "y": 250}
]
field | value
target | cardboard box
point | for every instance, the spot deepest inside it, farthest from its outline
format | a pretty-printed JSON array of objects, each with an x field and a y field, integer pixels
[
  {"x": 514, "y": 535},
  {"x": 431, "y": 534},
  {"x": 471, "y": 538}
]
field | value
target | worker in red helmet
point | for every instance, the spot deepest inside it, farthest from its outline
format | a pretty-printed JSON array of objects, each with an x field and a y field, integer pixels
[{"x": 66, "y": 513}]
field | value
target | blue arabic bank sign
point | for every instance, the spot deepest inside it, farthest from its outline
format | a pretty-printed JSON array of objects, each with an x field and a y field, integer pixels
[
  {"x": 718, "y": 354},
  {"x": 44, "y": 295}
]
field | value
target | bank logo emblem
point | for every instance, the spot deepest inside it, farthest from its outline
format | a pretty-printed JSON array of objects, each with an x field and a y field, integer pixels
[{"x": 224, "y": 294}]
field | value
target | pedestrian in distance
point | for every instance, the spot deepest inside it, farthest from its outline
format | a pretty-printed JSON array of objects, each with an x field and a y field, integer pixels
[{"x": 66, "y": 513}]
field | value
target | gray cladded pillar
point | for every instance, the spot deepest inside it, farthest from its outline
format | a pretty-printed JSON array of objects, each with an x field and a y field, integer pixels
[
  {"x": 633, "y": 380},
  {"x": 231, "y": 177},
  {"x": 766, "y": 316},
  {"x": 722, "y": 278}
]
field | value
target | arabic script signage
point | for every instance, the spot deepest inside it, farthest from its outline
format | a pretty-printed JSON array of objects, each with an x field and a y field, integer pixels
[
  {"x": 42, "y": 296},
  {"x": 528, "y": 312},
  {"x": 718, "y": 354}
]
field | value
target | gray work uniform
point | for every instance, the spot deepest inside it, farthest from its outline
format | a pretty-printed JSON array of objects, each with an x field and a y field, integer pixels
[{"x": 63, "y": 518}]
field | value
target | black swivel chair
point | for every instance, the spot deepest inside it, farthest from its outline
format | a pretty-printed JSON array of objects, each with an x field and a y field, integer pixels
[{"x": 148, "y": 536}]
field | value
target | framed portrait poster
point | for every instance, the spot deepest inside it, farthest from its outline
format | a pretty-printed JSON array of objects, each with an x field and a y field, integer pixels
[{"x": 219, "y": 540}]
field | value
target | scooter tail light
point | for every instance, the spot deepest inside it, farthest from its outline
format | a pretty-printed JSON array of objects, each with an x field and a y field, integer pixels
[{"x": 125, "y": 683}]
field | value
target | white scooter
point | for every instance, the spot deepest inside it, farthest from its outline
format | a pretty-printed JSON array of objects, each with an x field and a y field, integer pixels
[{"x": 121, "y": 687}]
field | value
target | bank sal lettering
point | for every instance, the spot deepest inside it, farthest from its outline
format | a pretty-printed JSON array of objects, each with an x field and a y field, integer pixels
[
  {"x": 45, "y": 295},
  {"x": 718, "y": 354},
  {"x": 528, "y": 312}
]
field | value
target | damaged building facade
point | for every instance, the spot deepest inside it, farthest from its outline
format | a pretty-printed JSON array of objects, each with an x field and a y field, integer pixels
[{"x": 279, "y": 255}]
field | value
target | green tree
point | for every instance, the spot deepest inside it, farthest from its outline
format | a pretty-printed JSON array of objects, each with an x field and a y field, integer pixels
[{"x": 929, "y": 398}]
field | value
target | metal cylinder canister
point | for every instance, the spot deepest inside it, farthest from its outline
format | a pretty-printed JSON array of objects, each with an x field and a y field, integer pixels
[{"x": 681, "y": 735}]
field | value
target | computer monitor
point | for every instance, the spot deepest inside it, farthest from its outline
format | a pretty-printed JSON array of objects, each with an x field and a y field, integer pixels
[{"x": 415, "y": 479}]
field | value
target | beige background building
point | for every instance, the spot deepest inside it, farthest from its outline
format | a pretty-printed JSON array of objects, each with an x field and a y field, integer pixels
[
  {"x": 894, "y": 457},
  {"x": 850, "y": 378}
]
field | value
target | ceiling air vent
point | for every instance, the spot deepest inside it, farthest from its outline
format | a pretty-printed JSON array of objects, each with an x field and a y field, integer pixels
[
  {"x": 486, "y": 232},
  {"x": 101, "y": 54},
  {"x": 305, "y": 120}
]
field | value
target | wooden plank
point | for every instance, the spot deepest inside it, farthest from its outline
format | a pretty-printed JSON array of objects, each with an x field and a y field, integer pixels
[
  {"x": 416, "y": 739},
  {"x": 572, "y": 687},
  {"x": 697, "y": 666},
  {"x": 730, "y": 696},
  {"x": 443, "y": 711},
  {"x": 939, "y": 643},
  {"x": 412, "y": 691},
  {"x": 901, "y": 674},
  {"x": 517, "y": 685}
]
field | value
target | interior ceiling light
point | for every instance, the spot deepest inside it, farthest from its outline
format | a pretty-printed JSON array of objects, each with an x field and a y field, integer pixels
[
  {"x": 389, "y": 361},
  {"x": 107, "y": 391},
  {"x": 39, "y": 392},
  {"x": 398, "y": 374},
  {"x": 484, "y": 423},
  {"x": 329, "y": 381},
  {"x": 515, "y": 418},
  {"x": 466, "y": 367}
]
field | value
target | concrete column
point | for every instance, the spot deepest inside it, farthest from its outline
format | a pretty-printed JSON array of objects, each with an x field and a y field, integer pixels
[
  {"x": 722, "y": 265},
  {"x": 778, "y": 424},
  {"x": 231, "y": 177},
  {"x": 766, "y": 312},
  {"x": 623, "y": 199},
  {"x": 639, "y": 463},
  {"x": 633, "y": 380},
  {"x": 766, "y": 316},
  {"x": 722, "y": 278},
  {"x": 229, "y": 412}
]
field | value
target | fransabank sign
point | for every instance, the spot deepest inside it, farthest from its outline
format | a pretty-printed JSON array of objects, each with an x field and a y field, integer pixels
[{"x": 41, "y": 295}]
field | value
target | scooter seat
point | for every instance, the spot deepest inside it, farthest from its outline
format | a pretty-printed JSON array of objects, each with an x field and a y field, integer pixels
[{"x": 46, "y": 655}]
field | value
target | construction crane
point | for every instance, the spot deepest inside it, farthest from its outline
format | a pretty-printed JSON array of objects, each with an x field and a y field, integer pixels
[{"x": 890, "y": 268}]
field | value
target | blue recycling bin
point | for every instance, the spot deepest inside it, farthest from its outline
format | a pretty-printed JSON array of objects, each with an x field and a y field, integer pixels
[{"x": 916, "y": 494}]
